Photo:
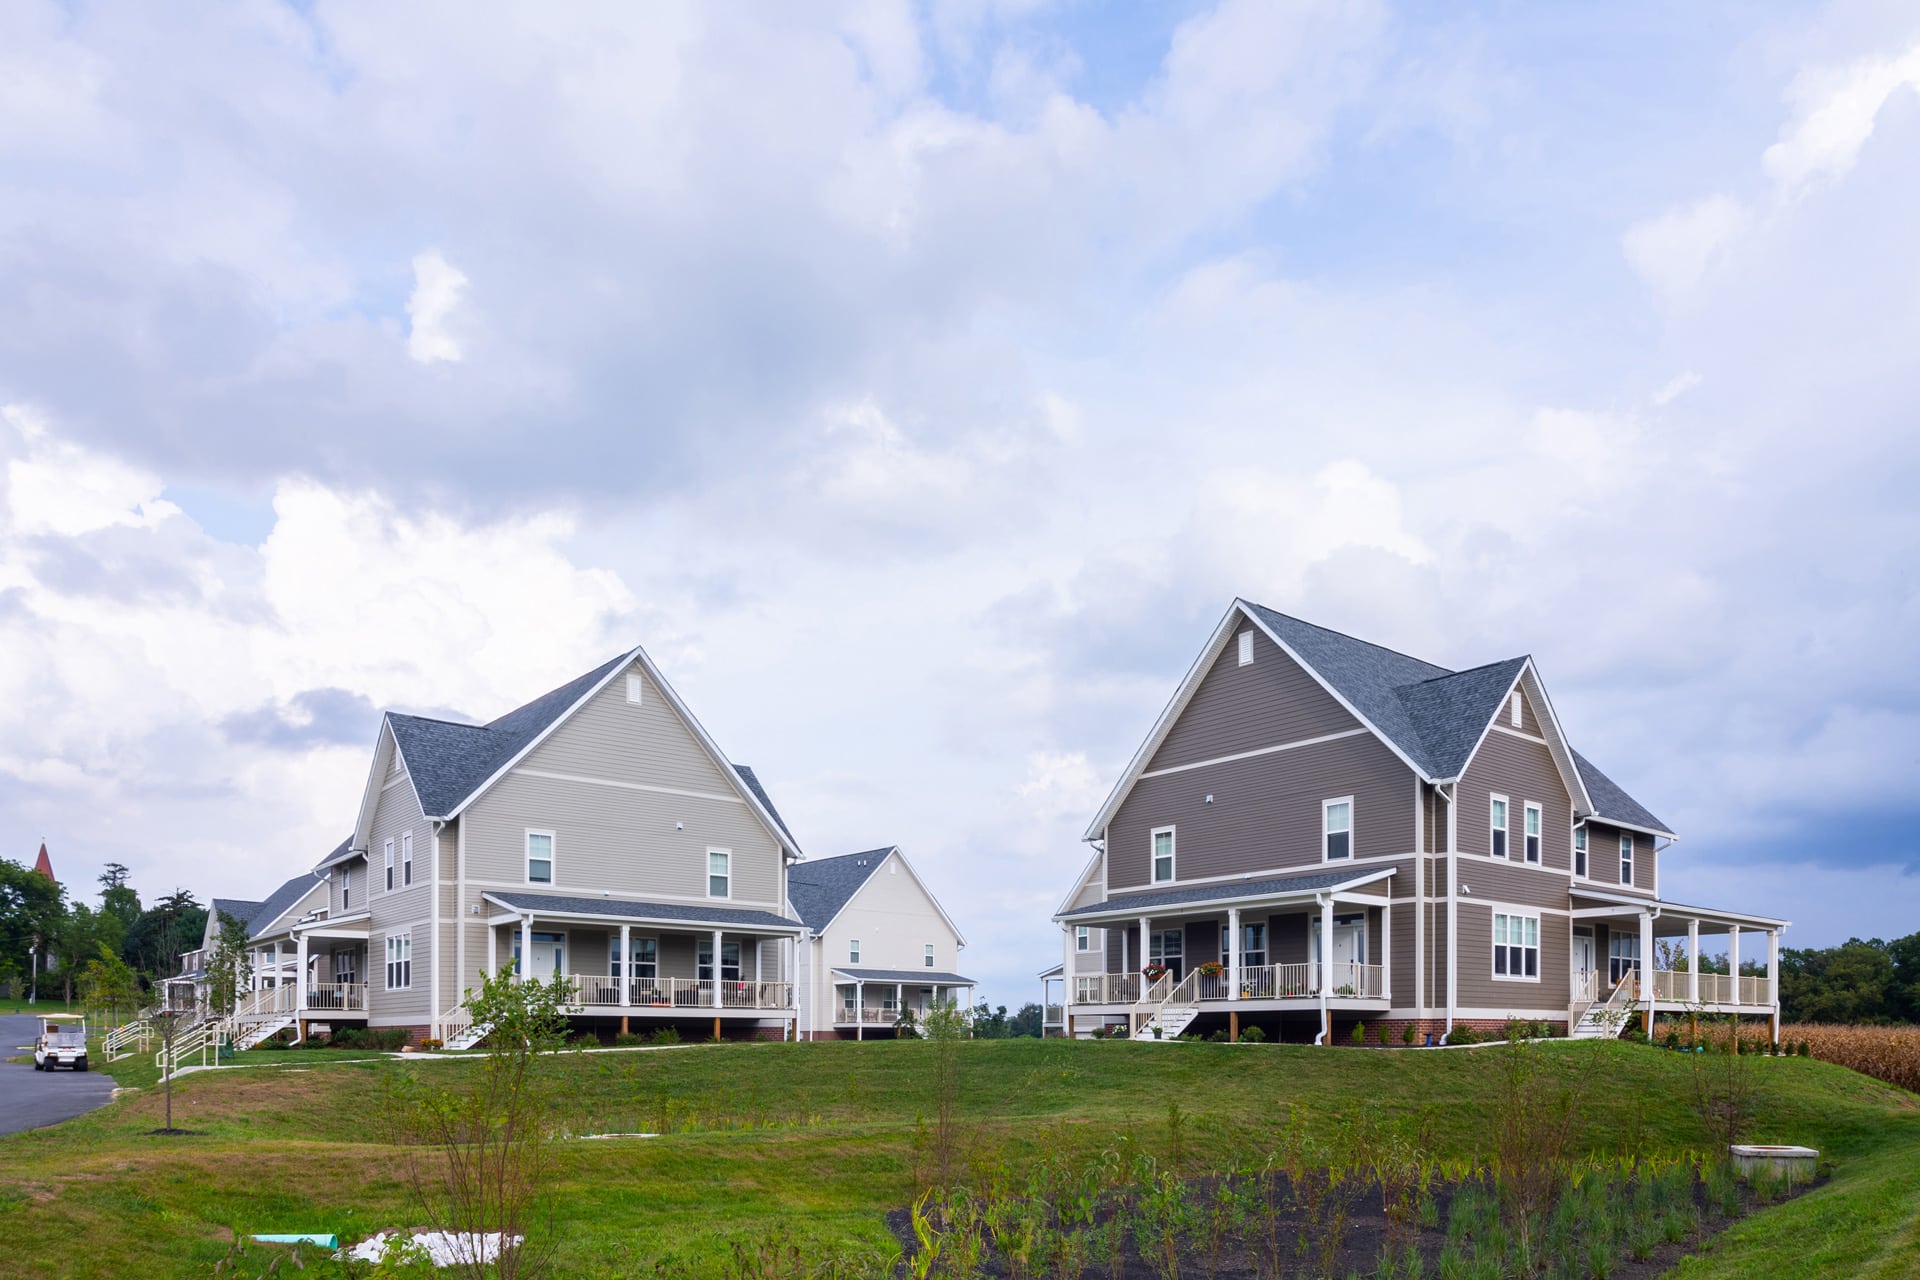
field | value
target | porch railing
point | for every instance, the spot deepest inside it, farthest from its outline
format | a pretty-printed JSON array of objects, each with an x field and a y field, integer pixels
[
  {"x": 1055, "y": 1015},
  {"x": 870, "y": 1015},
  {"x": 1257, "y": 982},
  {"x": 1670, "y": 986},
  {"x": 338, "y": 997},
  {"x": 1106, "y": 988},
  {"x": 756, "y": 995},
  {"x": 676, "y": 993}
]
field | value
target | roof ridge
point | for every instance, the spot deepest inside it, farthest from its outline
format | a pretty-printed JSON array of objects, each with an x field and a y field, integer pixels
[
  {"x": 1398, "y": 653},
  {"x": 596, "y": 667},
  {"x": 1464, "y": 671},
  {"x": 458, "y": 724},
  {"x": 841, "y": 857}
]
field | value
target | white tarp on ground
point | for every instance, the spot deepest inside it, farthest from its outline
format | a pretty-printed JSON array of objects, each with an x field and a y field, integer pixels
[{"x": 441, "y": 1248}]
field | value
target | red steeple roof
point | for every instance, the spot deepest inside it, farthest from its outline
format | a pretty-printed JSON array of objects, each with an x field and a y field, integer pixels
[{"x": 42, "y": 864}]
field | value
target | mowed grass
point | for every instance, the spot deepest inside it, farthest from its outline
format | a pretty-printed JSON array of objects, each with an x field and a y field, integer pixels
[{"x": 820, "y": 1139}]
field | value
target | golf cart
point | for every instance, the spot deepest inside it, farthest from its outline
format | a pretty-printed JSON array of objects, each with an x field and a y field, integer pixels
[{"x": 62, "y": 1042}]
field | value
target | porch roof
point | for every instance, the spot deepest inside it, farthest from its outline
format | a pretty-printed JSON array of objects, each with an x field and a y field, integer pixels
[
  {"x": 1272, "y": 888},
  {"x": 912, "y": 977},
  {"x": 622, "y": 911},
  {"x": 1624, "y": 904}
]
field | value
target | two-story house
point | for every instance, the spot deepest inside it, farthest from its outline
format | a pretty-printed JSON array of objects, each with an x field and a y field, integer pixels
[
  {"x": 878, "y": 945},
  {"x": 597, "y": 832},
  {"x": 1320, "y": 831}
]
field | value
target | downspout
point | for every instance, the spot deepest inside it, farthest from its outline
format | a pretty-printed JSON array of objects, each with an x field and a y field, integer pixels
[
  {"x": 1453, "y": 906},
  {"x": 434, "y": 827},
  {"x": 1326, "y": 956}
]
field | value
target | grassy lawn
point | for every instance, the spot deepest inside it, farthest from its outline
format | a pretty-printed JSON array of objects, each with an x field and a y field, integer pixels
[{"x": 820, "y": 1139}]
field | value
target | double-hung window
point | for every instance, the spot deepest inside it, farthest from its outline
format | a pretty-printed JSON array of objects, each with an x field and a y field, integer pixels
[
  {"x": 399, "y": 961},
  {"x": 1253, "y": 946},
  {"x": 389, "y": 857},
  {"x": 1623, "y": 955},
  {"x": 406, "y": 857},
  {"x": 1082, "y": 938},
  {"x": 346, "y": 890},
  {"x": 1580, "y": 851},
  {"x": 1336, "y": 828},
  {"x": 1516, "y": 946},
  {"x": 928, "y": 956},
  {"x": 1499, "y": 822},
  {"x": 539, "y": 857},
  {"x": 1532, "y": 812},
  {"x": 646, "y": 959},
  {"x": 613, "y": 956},
  {"x": 719, "y": 873},
  {"x": 853, "y": 951},
  {"x": 1626, "y": 857},
  {"x": 729, "y": 961},
  {"x": 1162, "y": 855}
]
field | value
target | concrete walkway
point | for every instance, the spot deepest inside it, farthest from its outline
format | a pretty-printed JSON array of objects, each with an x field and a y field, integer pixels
[{"x": 30, "y": 1099}]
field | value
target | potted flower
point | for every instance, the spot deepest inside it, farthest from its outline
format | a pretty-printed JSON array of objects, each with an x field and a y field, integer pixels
[
  {"x": 1211, "y": 969},
  {"x": 1154, "y": 971}
]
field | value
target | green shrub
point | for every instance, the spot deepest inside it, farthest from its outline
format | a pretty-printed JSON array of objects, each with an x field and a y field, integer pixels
[
  {"x": 348, "y": 1038},
  {"x": 1464, "y": 1035},
  {"x": 627, "y": 1039},
  {"x": 1359, "y": 1035},
  {"x": 1252, "y": 1035},
  {"x": 1406, "y": 1034},
  {"x": 665, "y": 1035}
]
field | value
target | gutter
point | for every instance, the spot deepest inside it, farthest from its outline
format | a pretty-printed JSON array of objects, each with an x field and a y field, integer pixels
[{"x": 1326, "y": 962}]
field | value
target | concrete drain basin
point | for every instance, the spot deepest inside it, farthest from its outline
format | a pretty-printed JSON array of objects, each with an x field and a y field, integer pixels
[{"x": 1789, "y": 1164}]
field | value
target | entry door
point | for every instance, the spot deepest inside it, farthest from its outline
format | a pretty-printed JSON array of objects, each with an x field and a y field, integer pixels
[
  {"x": 547, "y": 956},
  {"x": 1349, "y": 949},
  {"x": 1585, "y": 986},
  {"x": 1168, "y": 949}
]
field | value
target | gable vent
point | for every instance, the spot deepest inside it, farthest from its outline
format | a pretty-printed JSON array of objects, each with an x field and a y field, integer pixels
[{"x": 635, "y": 687}]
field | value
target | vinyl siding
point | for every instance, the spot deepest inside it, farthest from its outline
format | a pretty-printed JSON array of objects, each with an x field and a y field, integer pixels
[
  {"x": 1235, "y": 708},
  {"x": 1266, "y": 812},
  {"x": 1524, "y": 772},
  {"x": 1479, "y": 989},
  {"x": 1603, "y": 858},
  {"x": 894, "y": 917},
  {"x": 404, "y": 909},
  {"x": 610, "y": 737}
]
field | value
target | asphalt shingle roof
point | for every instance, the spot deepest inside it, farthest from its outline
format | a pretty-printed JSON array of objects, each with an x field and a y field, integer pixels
[
  {"x": 1305, "y": 882},
  {"x": 571, "y": 904},
  {"x": 1433, "y": 715},
  {"x": 921, "y": 976},
  {"x": 341, "y": 852},
  {"x": 279, "y": 900},
  {"x": 239, "y": 909},
  {"x": 760, "y": 793},
  {"x": 819, "y": 889},
  {"x": 1609, "y": 801}
]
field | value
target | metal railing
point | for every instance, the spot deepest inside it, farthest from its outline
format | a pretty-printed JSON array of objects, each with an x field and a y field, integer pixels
[
  {"x": 117, "y": 1044},
  {"x": 201, "y": 1042}
]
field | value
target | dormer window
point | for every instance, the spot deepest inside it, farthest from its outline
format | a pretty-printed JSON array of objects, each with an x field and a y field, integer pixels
[
  {"x": 1516, "y": 709},
  {"x": 635, "y": 687},
  {"x": 1246, "y": 648}
]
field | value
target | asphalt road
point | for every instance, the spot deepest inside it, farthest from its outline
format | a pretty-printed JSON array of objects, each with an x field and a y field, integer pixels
[{"x": 30, "y": 1099}]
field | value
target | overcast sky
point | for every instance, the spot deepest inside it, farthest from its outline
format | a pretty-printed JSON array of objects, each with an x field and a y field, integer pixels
[{"x": 920, "y": 384}]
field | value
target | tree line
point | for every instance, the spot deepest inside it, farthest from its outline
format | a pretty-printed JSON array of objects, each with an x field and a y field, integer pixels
[
  {"x": 1858, "y": 981},
  {"x": 106, "y": 953}
]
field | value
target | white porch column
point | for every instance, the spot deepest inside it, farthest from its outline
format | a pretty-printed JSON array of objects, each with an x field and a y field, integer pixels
[
  {"x": 1324, "y": 959},
  {"x": 1646, "y": 965},
  {"x": 1146, "y": 950},
  {"x": 899, "y": 999},
  {"x": 1733, "y": 959},
  {"x": 1069, "y": 957},
  {"x": 1231, "y": 945},
  {"x": 300, "y": 970},
  {"x": 716, "y": 968},
  {"x": 493, "y": 950},
  {"x": 1386, "y": 951},
  {"x": 859, "y": 1010},
  {"x": 626, "y": 967},
  {"x": 1773, "y": 979},
  {"x": 1693, "y": 962},
  {"x": 525, "y": 966}
]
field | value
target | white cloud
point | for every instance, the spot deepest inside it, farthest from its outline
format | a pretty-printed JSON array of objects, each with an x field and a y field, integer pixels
[
  {"x": 60, "y": 488},
  {"x": 1676, "y": 251},
  {"x": 1837, "y": 110},
  {"x": 1675, "y": 387},
  {"x": 437, "y": 288}
]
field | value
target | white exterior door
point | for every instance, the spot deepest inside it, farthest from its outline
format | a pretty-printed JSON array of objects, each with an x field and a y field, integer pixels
[
  {"x": 1584, "y": 968},
  {"x": 547, "y": 957}
]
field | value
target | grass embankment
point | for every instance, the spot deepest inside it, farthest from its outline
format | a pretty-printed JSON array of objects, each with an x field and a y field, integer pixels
[{"x": 821, "y": 1140}]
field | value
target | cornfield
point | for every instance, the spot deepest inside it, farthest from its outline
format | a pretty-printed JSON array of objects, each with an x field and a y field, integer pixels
[{"x": 1885, "y": 1053}]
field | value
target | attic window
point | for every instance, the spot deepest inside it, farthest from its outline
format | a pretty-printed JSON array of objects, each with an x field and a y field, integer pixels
[
  {"x": 634, "y": 687},
  {"x": 1246, "y": 648},
  {"x": 1514, "y": 709}
]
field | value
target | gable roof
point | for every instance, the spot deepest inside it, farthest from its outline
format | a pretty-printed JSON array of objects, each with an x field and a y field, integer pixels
[
  {"x": 341, "y": 852},
  {"x": 569, "y": 904},
  {"x": 238, "y": 909},
  {"x": 820, "y": 888},
  {"x": 1434, "y": 719},
  {"x": 1297, "y": 884},
  {"x": 279, "y": 902},
  {"x": 1611, "y": 803},
  {"x": 449, "y": 763}
]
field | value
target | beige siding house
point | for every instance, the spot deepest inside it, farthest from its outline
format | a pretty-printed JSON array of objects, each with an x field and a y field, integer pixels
[
  {"x": 596, "y": 832},
  {"x": 878, "y": 946},
  {"x": 1320, "y": 832}
]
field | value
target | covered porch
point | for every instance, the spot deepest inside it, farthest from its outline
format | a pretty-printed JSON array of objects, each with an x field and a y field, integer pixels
[
  {"x": 1655, "y": 949},
  {"x": 1316, "y": 942},
  {"x": 1053, "y": 1001},
  {"x": 646, "y": 961},
  {"x": 869, "y": 998}
]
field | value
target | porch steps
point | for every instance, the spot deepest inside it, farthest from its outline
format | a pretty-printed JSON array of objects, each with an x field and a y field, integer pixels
[
  {"x": 255, "y": 1033},
  {"x": 468, "y": 1036},
  {"x": 1604, "y": 1020},
  {"x": 1171, "y": 1020}
]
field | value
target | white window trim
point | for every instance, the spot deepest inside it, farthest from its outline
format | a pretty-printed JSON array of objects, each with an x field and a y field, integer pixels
[
  {"x": 1352, "y": 847},
  {"x": 1505, "y": 826},
  {"x": 405, "y": 939},
  {"x": 926, "y": 956},
  {"x": 636, "y": 689},
  {"x": 1539, "y": 950},
  {"x": 1516, "y": 713},
  {"x": 346, "y": 890},
  {"x": 386, "y": 879},
  {"x": 708, "y": 870},
  {"x": 1626, "y": 858},
  {"x": 1533, "y": 826},
  {"x": 406, "y": 858},
  {"x": 1574, "y": 837},
  {"x": 719, "y": 965},
  {"x": 853, "y": 951},
  {"x": 1153, "y": 856},
  {"x": 553, "y": 857},
  {"x": 1082, "y": 938},
  {"x": 1246, "y": 647}
]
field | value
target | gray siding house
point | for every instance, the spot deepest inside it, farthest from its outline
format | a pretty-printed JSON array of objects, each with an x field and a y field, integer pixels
[
  {"x": 1320, "y": 831},
  {"x": 596, "y": 832}
]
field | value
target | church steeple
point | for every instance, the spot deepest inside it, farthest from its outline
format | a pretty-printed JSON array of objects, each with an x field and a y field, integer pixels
[{"x": 43, "y": 864}]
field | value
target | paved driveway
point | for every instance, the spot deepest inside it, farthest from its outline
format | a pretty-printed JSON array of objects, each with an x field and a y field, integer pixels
[{"x": 29, "y": 1098}]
